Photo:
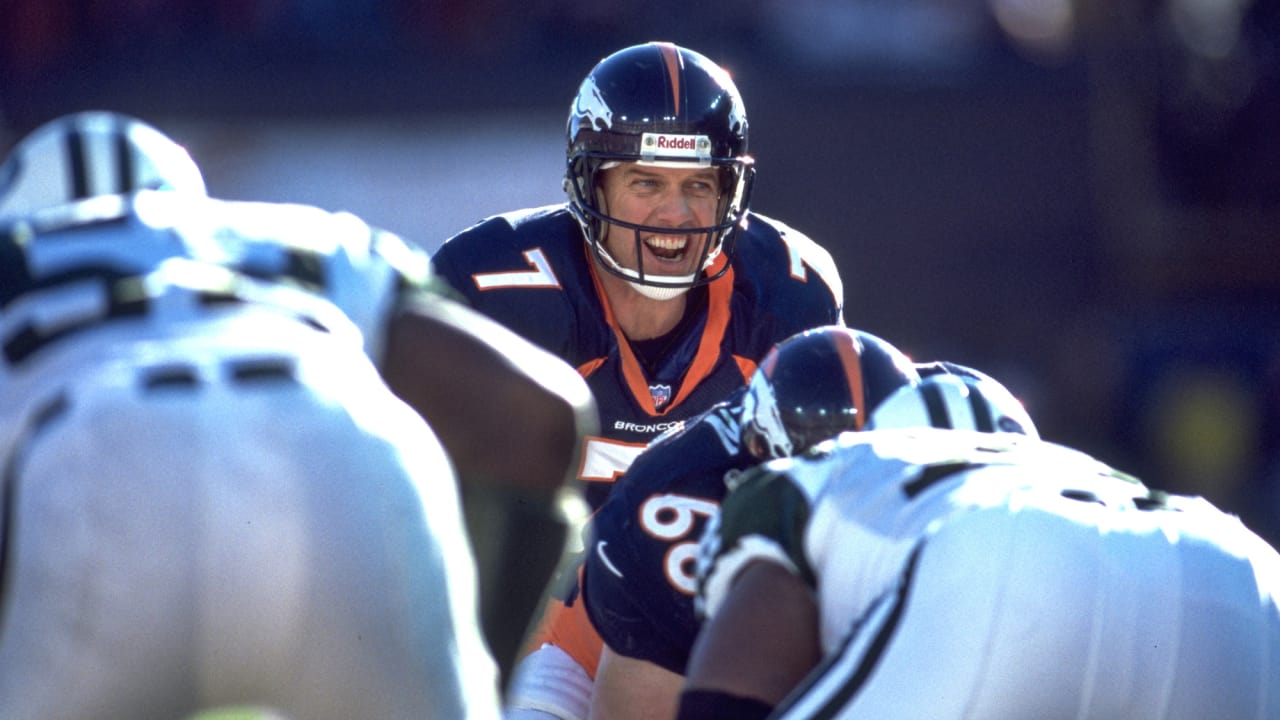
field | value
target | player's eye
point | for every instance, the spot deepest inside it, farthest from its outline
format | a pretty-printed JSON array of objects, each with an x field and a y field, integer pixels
[{"x": 702, "y": 189}]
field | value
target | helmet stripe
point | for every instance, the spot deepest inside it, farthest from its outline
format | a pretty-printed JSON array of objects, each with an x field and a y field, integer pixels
[
  {"x": 936, "y": 405},
  {"x": 671, "y": 56},
  {"x": 982, "y": 419},
  {"x": 124, "y": 163},
  {"x": 77, "y": 165},
  {"x": 851, "y": 359}
]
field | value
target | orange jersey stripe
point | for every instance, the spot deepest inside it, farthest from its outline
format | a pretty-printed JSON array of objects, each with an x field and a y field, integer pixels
[
  {"x": 568, "y": 628},
  {"x": 704, "y": 361}
]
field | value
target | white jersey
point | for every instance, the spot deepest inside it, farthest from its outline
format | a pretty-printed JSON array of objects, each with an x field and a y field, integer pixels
[
  {"x": 75, "y": 266},
  {"x": 360, "y": 269},
  {"x": 211, "y": 499},
  {"x": 976, "y": 575}
]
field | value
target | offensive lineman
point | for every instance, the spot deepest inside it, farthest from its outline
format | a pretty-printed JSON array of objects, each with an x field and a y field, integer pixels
[
  {"x": 638, "y": 580},
  {"x": 654, "y": 280},
  {"x": 952, "y": 574}
]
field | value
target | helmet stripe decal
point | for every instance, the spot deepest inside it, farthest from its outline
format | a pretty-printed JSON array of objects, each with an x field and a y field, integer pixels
[
  {"x": 936, "y": 406},
  {"x": 851, "y": 359},
  {"x": 671, "y": 56},
  {"x": 124, "y": 163},
  {"x": 77, "y": 165},
  {"x": 982, "y": 419}
]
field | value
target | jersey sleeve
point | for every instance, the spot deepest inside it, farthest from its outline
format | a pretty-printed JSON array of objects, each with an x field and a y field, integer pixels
[
  {"x": 609, "y": 586},
  {"x": 451, "y": 262},
  {"x": 785, "y": 283},
  {"x": 812, "y": 264},
  {"x": 510, "y": 253},
  {"x": 629, "y": 593},
  {"x": 527, "y": 271}
]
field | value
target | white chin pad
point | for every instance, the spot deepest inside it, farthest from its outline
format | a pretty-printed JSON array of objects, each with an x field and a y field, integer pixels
[{"x": 654, "y": 292}]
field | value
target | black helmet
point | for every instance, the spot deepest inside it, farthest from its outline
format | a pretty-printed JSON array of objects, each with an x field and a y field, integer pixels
[
  {"x": 667, "y": 106},
  {"x": 817, "y": 384}
]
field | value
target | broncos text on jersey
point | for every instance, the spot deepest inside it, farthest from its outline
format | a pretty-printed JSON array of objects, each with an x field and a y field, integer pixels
[{"x": 532, "y": 271}]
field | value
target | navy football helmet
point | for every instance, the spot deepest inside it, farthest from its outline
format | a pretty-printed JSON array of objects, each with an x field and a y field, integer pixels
[
  {"x": 88, "y": 154},
  {"x": 953, "y": 400},
  {"x": 817, "y": 384},
  {"x": 662, "y": 105}
]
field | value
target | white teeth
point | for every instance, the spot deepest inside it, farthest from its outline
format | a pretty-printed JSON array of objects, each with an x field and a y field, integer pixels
[{"x": 666, "y": 242}]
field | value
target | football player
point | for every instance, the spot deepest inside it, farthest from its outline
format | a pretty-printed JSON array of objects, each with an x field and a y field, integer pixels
[
  {"x": 950, "y": 573},
  {"x": 654, "y": 279},
  {"x": 83, "y": 267},
  {"x": 638, "y": 576}
]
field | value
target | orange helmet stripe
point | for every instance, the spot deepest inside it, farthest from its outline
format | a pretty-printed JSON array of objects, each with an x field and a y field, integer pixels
[
  {"x": 671, "y": 56},
  {"x": 851, "y": 359}
]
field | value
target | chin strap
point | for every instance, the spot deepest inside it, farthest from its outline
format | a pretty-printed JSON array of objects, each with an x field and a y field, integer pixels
[{"x": 651, "y": 291}]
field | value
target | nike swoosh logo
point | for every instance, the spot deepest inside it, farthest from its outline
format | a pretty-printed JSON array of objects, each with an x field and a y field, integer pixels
[{"x": 605, "y": 558}]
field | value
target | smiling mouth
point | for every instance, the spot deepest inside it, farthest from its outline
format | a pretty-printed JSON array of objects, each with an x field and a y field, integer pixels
[{"x": 667, "y": 247}]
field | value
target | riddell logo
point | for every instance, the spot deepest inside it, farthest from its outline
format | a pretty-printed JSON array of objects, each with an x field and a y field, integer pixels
[
  {"x": 681, "y": 146},
  {"x": 676, "y": 142}
]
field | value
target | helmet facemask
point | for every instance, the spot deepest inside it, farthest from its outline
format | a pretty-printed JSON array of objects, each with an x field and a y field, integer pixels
[{"x": 583, "y": 183}]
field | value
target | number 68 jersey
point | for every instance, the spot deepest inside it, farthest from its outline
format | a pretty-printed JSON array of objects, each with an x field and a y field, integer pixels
[
  {"x": 993, "y": 575},
  {"x": 638, "y": 579}
]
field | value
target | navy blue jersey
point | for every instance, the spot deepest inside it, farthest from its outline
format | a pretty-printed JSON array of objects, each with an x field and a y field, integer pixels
[
  {"x": 532, "y": 271},
  {"x": 639, "y": 579}
]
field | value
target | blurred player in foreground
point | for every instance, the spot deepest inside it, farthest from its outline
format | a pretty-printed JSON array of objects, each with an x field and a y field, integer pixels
[
  {"x": 935, "y": 573},
  {"x": 211, "y": 497},
  {"x": 638, "y": 580}
]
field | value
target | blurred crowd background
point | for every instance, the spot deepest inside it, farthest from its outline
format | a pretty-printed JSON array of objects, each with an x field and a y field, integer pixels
[{"x": 1081, "y": 197}]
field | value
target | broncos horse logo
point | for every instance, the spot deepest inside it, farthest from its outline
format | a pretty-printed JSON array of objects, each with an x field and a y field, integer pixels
[{"x": 590, "y": 105}]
